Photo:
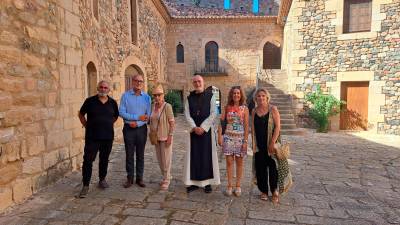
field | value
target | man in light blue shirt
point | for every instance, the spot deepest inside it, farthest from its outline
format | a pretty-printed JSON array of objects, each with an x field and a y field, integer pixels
[{"x": 135, "y": 109}]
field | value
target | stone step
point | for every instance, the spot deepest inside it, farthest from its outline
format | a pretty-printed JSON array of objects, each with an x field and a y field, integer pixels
[
  {"x": 297, "y": 131},
  {"x": 287, "y": 116},
  {"x": 288, "y": 126},
  {"x": 287, "y": 121}
]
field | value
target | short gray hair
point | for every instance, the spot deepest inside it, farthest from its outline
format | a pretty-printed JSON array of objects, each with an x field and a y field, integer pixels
[{"x": 103, "y": 81}]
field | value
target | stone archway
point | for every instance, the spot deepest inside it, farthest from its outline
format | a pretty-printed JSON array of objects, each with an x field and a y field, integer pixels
[
  {"x": 131, "y": 71},
  {"x": 91, "y": 76}
]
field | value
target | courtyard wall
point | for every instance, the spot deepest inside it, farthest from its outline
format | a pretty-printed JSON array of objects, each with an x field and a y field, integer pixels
[{"x": 46, "y": 46}]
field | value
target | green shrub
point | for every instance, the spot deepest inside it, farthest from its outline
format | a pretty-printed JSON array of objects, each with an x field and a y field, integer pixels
[
  {"x": 173, "y": 98},
  {"x": 322, "y": 107}
]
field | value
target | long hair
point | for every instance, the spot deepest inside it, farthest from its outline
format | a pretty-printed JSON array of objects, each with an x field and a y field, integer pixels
[{"x": 230, "y": 96}]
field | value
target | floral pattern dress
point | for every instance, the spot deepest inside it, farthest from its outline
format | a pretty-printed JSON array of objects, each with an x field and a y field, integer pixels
[{"x": 234, "y": 133}]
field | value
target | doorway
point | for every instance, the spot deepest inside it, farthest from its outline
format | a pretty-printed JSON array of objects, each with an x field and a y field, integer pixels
[{"x": 354, "y": 115}]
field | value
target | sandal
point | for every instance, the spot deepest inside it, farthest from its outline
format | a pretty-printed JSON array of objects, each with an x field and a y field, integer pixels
[
  {"x": 238, "y": 192},
  {"x": 264, "y": 197},
  {"x": 275, "y": 198},
  {"x": 228, "y": 191}
]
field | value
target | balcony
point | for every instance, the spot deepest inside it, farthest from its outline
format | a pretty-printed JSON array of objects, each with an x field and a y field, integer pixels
[{"x": 211, "y": 70}]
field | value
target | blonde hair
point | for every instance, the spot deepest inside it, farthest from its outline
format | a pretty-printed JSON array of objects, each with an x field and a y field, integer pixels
[{"x": 261, "y": 90}]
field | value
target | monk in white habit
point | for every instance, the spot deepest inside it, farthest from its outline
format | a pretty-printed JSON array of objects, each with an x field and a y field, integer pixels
[{"x": 201, "y": 162}]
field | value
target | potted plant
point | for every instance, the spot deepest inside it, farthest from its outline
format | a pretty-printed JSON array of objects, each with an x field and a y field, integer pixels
[{"x": 322, "y": 107}]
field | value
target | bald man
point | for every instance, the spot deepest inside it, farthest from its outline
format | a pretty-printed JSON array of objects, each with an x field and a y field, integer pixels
[{"x": 201, "y": 161}]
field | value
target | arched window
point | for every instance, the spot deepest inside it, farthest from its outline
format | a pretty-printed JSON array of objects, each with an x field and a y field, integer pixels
[
  {"x": 211, "y": 56},
  {"x": 271, "y": 56},
  {"x": 91, "y": 79},
  {"x": 96, "y": 9},
  {"x": 180, "y": 53}
]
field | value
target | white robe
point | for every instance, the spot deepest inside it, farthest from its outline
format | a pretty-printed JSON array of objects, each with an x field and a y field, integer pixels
[{"x": 207, "y": 124}]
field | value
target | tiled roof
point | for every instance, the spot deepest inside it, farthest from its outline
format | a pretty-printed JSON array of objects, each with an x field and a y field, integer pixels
[{"x": 190, "y": 11}]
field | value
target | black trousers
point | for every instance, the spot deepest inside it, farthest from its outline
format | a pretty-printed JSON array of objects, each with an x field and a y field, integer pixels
[
  {"x": 135, "y": 142},
  {"x": 266, "y": 172},
  {"x": 89, "y": 155}
]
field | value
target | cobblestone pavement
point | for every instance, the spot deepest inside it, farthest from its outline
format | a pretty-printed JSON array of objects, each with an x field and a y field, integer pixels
[{"x": 339, "y": 179}]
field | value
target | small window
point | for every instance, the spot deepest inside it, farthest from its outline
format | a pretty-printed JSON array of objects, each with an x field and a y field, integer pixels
[
  {"x": 211, "y": 56},
  {"x": 357, "y": 16},
  {"x": 96, "y": 9},
  {"x": 180, "y": 53}
]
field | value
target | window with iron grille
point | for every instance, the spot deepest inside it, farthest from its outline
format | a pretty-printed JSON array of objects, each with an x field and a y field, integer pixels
[
  {"x": 271, "y": 56},
  {"x": 211, "y": 56},
  {"x": 180, "y": 53},
  {"x": 357, "y": 16}
]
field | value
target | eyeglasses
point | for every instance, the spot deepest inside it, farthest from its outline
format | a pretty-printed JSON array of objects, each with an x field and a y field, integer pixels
[
  {"x": 157, "y": 95},
  {"x": 138, "y": 81},
  {"x": 103, "y": 87}
]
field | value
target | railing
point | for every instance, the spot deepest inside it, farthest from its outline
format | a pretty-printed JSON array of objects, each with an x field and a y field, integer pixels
[{"x": 211, "y": 70}]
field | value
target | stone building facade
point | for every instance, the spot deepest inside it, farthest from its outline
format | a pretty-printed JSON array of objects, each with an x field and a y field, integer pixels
[
  {"x": 52, "y": 54},
  {"x": 318, "y": 51},
  {"x": 240, "y": 44}
]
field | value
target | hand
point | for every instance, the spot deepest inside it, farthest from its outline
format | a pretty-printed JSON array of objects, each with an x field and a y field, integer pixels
[
  {"x": 220, "y": 140},
  {"x": 133, "y": 124},
  {"x": 143, "y": 118},
  {"x": 271, "y": 149},
  {"x": 200, "y": 131},
  {"x": 169, "y": 140}
]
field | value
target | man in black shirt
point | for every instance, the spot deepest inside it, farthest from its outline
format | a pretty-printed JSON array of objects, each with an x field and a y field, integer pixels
[{"x": 101, "y": 112}]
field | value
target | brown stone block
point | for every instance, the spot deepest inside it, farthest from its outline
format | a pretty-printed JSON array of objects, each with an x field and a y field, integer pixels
[
  {"x": 5, "y": 197},
  {"x": 33, "y": 129},
  {"x": 73, "y": 57},
  {"x": 51, "y": 99},
  {"x": 8, "y": 38},
  {"x": 10, "y": 54},
  {"x": 30, "y": 84},
  {"x": 18, "y": 116},
  {"x": 78, "y": 133},
  {"x": 50, "y": 159},
  {"x": 72, "y": 24},
  {"x": 5, "y": 101},
  {"x": 59, "y": 139},
  {"x": 9, "y": 172},
  {"x": 76, "y": 148},
  {"x": 27, "y": 99},
  {"x": 31, "y": 60},
  {"x": 32, "y": 165},
  {"x": 35, "y": 145},
  {"x": 63, "y": 153},
  {"x": 12, "y": 151},
  {"x": 22, "y": 189},
  {"x": 41, "y": 34}
]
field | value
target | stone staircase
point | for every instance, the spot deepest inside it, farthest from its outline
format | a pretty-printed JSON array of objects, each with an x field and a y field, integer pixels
[{"x": 283, "y": 101}]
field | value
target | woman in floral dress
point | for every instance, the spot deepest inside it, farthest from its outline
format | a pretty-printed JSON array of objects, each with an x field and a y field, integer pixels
[{"x": 233, "y": 138}]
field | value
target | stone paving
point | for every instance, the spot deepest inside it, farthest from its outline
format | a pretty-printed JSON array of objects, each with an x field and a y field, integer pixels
[{"x": 339, "y": 178}]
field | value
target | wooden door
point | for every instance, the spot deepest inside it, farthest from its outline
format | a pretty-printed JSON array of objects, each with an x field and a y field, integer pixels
[{"x": 355, "y": 113}]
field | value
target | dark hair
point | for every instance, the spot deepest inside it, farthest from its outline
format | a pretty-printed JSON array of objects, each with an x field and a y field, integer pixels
[{"x": 242, "y": 96}]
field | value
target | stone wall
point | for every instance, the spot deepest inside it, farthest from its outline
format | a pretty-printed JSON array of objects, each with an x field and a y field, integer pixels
[
  {"x": 240, "y": 52},
  {"x": 45, "y": 46},
  {"x": 316, "y": 52}
]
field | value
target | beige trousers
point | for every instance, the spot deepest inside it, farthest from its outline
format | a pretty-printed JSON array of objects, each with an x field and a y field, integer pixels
[{"x": 164, "y": 157}]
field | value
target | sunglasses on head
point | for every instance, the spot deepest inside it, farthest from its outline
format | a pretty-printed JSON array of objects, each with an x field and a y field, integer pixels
[
  {"x": 156, "y": 95},
  {"x": 236, "y": 87}
]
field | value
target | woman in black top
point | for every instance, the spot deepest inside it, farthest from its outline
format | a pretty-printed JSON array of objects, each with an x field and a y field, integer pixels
[{"x": 266, "y": 129}]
